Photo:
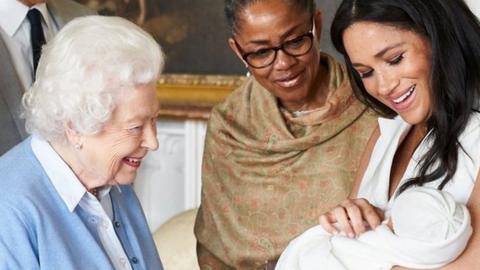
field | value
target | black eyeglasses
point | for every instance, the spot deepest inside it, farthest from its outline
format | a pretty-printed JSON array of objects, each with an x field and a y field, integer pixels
[{"x": 295, "y": 47}]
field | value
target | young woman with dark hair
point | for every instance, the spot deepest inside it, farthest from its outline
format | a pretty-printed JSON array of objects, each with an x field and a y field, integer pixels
[{"x": 418, "y": 63}]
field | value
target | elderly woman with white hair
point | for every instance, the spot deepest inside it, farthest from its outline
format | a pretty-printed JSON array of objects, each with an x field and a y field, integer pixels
[{"x": 67, "y": 200}]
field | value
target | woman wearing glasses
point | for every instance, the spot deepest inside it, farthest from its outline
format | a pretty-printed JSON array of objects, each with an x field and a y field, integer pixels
[{"x": 283, "y": 148}]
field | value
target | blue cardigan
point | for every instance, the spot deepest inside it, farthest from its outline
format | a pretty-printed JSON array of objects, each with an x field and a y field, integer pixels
[{"x": 37, "y": 231}]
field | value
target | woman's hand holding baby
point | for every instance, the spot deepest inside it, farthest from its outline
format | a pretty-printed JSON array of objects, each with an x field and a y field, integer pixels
[{"x": 353, "y": 217}]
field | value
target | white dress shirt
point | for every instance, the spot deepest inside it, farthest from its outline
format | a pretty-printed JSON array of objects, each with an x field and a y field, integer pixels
[
  {"x": 16, "y": 32},
  {"x": 73, "y": 193}
]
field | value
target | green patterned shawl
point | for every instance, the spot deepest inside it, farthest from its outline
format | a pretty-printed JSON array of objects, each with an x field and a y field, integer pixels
[{"x": 265, "y": 181}]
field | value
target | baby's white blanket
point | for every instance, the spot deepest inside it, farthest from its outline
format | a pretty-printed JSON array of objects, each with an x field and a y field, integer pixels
[{"x": 380, "y": 248}]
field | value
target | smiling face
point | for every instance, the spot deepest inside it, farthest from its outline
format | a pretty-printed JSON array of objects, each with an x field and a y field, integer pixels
[
  {"x": 394, "y": 65},
  {"x": 114, "y": 155},
  {"x": 269, "y": 23}
]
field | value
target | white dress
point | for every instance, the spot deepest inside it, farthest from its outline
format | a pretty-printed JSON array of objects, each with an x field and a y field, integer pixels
[{"x": 375, "y": 182}]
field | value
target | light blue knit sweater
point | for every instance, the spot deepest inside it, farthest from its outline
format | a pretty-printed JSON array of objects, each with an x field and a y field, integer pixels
[{"x": 37, "y": 231}]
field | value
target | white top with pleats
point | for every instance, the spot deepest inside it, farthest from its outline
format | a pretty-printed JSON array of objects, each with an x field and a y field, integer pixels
[{"x": 375, "y": 183}]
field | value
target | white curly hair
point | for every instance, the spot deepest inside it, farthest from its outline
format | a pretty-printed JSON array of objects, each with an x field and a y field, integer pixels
[{"x": 83, "y": 72}]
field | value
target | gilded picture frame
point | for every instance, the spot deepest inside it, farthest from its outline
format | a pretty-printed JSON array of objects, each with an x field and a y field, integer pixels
[{"x": 193, "y": 96}]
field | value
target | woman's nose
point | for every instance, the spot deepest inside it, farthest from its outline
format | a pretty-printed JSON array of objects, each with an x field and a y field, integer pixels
[
  {"x": 150, "y": 140},
  {"x": 283, "y": 60},
  {"x": 386, "y": 83}
]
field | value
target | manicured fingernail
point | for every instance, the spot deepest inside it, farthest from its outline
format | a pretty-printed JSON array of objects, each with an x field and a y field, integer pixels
[{"x": 351, "y": 235}]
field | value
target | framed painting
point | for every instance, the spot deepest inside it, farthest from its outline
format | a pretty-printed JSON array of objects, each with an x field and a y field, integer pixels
[{"x": 200, "y": 69}]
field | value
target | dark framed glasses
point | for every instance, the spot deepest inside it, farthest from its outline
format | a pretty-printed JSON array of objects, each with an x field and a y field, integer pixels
[{"x": 298, "y": 46}]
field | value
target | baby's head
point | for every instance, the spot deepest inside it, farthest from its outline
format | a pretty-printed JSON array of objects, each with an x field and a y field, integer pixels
[{"x": 426, "y": 214}]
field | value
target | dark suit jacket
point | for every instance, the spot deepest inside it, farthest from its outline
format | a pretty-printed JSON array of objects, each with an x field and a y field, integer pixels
[{"x": 12, "y": 128}]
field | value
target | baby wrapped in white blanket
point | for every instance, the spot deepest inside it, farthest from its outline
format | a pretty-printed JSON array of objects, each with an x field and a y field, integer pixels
[{"x": 429, "y": 230}]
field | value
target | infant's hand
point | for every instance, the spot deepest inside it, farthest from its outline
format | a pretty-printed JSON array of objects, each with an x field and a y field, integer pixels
[{"x": 354, "y": 217}]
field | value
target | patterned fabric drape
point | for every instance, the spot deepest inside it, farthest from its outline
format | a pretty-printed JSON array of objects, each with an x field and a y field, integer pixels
[{"x": 267, "y": 175}]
